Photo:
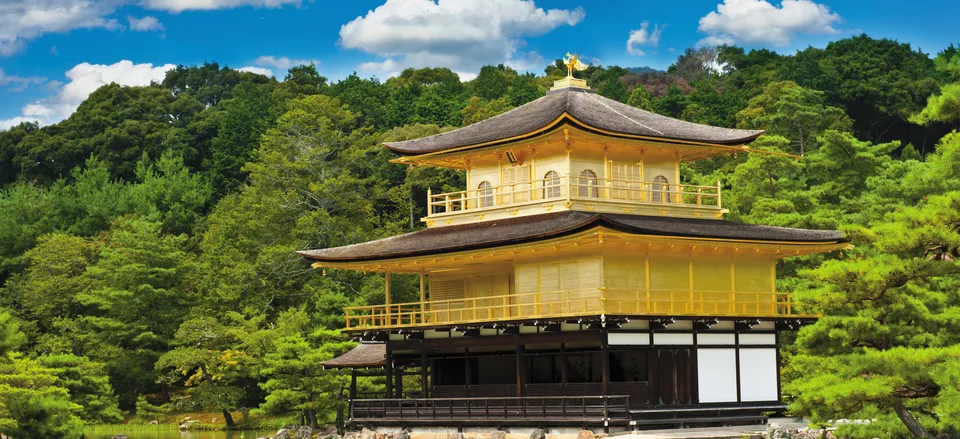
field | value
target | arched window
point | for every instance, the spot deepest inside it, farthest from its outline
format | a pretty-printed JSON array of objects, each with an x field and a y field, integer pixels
[
  {"x": 587, "y": 186},
  {"x": 551, "y": 185},
  {"x": 661, "y": 190},
  {"x": 485, "y": 191}
]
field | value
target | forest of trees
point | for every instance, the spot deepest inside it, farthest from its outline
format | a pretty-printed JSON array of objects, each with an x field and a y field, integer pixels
[{"x": 147, "y": 242}]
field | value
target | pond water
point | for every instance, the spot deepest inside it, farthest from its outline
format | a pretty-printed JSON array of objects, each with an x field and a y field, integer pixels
[{"x": 183, "y": 435}]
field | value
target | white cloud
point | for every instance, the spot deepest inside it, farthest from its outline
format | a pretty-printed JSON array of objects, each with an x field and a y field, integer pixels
[
  {"x": 24, "y": 20},
  {"x": 643, "y": 37},
  {"x": 176, "y": 6},
  {"x": 19, "y": 83},
  {"x": 462, "y": 35},
  {"x": 145, "y": 24},
  {"x": 258, "y": 70},
  {"x": 83, "y": 80},
  {"x": 759, "y": 22},
  {"x": 282, "y": 63}
]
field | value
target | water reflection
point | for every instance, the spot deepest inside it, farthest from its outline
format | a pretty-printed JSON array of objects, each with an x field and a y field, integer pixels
[{"x": 184, "y": 434}]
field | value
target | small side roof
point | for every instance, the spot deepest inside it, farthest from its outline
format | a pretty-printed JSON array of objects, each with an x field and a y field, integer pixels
[
  {"x": 496, "y": 233},
  {"x": 367, "y": 354},
  {"x": 584, "y": 107}
]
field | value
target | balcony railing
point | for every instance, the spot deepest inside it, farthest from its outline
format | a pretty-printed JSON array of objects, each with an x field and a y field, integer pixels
[
  {"x": 575, "y": 188},
  {"x": 575, "y": 303}
]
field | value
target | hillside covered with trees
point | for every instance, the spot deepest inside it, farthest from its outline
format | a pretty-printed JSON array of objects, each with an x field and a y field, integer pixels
[{"x": 147, "y": 242}]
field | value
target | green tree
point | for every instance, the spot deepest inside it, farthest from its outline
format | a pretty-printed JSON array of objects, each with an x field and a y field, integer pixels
[
  {"x": 140, "y": 289},
  {"x": 32, "y": 405},
  {"x": 612, "y": 87},
  {"x": 523, "y": 89},
  {"x": 149, "y": 412},
  {"x": 246, "y": 116},
  {"x": 88, "y": 384},
  {"x": 491, "y": 83},
  {"x": 797, "y": 113},
  {"x": 886, "y": 347},
  {"x": 673, "y": 102},
  {"x": 477, "y": 110},
  {"x": 941, "y": 108},
  {"x": 214, "y": 371},
  {"x": 640, "y": 98},
  {"x": 294, "y": 383}
]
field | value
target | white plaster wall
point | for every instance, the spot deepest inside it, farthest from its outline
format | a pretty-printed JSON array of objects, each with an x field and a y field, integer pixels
[
  {"x": 715, "y": 339},
  {"x": 668, "y": 338},
  {"x": 758, "y": 375},
  {"x": 758, "y": 339},
  {"x": 717, "y": 380},
  {"x": 626, "y": 338}
]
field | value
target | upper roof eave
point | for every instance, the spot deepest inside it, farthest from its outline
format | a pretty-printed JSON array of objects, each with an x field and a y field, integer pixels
[{"x": 582, "y": 107}]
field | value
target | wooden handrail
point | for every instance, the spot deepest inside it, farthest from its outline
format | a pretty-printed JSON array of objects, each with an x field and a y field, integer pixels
[
  {"x": 576, "y": 188},
  {"x": 575, "y": 303}
]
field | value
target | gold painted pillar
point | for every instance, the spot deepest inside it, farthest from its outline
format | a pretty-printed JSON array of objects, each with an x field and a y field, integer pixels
[
  {"x": 423, "y": 296},
  {"x": 386, "y": 276}
]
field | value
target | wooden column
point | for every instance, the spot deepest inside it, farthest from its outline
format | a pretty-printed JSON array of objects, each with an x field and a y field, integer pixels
[
  {"x": 353, "y": 384},
  {"x": 386, "y": 276},
  {"x": 520, "y": 369},
  {"x": 466, "y": 372},
  {"x": 563, "y": 367},
  {"x": 424, "y": 389},
  {"x": 604, "y": 362},
  {"x": 399, "y": 386},
  {"x": 388, "y": 373}
]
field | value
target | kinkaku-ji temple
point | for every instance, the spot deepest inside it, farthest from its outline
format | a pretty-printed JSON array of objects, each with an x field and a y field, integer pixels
[{"x": 575, "y": 282}]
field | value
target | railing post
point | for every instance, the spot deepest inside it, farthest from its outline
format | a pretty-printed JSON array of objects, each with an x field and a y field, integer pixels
[
  {"x": 718, "y": 195},
  {"x": 429, "y": 202},
  {"x": 699, "y": 190}
]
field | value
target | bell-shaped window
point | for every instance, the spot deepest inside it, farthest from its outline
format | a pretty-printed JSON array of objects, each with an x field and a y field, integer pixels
[
  {"x": 660, "y": 190},
  {"x": 587, "y": 186},
  {"x": 551, "y": 185},
  {"x": 485, "y": 192}
]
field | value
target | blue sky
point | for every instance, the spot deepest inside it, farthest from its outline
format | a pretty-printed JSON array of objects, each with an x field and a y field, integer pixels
[{"x": 53, "y": 53}]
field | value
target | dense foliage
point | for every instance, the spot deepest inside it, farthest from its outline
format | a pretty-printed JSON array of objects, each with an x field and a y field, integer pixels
[{"x": 147, "y": 242}]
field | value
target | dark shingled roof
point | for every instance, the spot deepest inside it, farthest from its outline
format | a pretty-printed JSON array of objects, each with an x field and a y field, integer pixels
[
  {"x": 592, "y": 109},
  {"x": 494, "y": 233},
  {"x": 366, "y": 354}
]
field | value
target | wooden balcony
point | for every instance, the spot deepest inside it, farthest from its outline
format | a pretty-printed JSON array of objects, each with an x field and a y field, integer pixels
[
  {"x": 592, "y": 193},
  {"x": 578, "y": 303}
]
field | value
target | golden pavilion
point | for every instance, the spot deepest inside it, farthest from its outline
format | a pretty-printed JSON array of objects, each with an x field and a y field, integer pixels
[{"x": 576, "y": 281}]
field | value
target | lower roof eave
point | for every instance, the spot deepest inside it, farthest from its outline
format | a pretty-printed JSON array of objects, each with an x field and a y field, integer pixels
[{"x": 586, "y": 320}]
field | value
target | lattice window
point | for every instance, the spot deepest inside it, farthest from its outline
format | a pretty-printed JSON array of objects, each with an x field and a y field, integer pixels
[
  {"x": 516, "y": 184},
  {"x": 447, "y": 289},
  {"x": 625, "y": 181}
]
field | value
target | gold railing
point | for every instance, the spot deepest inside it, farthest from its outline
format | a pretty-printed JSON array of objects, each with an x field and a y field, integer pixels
[
  {"x": 573, "y": 303},
  {"x": 574, "y": 188}
]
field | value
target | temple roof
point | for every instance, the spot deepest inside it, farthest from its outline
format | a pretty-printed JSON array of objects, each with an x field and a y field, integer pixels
[
  {"x": 366, "y": 354},
  {"x": 582, "y": 107},
  {"x": 495, "y": 233}
]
